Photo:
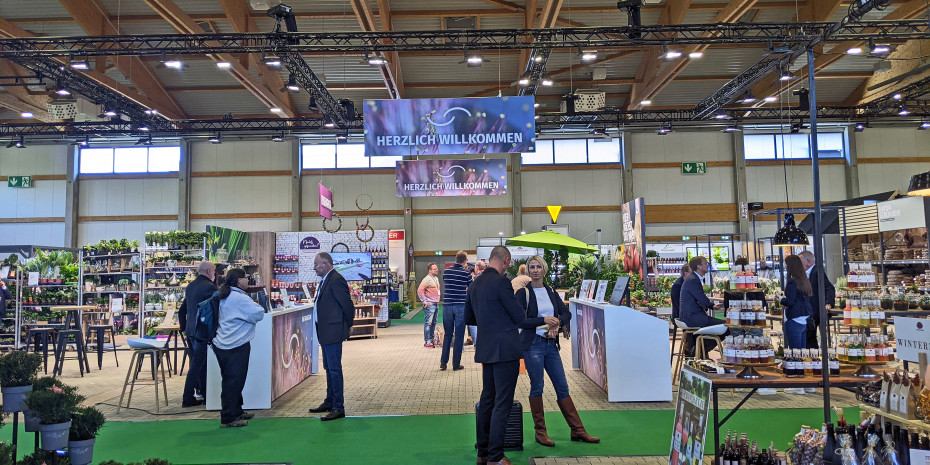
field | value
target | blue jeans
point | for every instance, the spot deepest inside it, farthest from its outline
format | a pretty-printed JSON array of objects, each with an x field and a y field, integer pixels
[
  {"x": 453, "y": 322},
  {"x": 543, "y": 355},
  {"x": 795, "y": 335},
  {"x": 429, "y": 321},
  {"x": 473, "y": 332},
  {"x": 332, "y": 363}
]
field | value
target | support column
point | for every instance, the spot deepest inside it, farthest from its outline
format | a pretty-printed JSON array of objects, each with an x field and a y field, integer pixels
[
  {"x": 184, "y": 186},
  {"x": 408, "y": 241},
  {"x": 852, "y": 166},
  {"x": 296, "y": 187},
  {"x": 739, "y": 181},
  {"x": 516, "y": 191},
  {"x": 626, "y": 158},
  {"x": 71, "y": 198}
]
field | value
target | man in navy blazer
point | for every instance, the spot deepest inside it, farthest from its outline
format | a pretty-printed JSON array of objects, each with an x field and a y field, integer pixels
[
  {"x": 807, "y": 259},
  {"x": 335, "y": 314},
  {"x": 676, "y": 291},
  {"x": 491, "y": 306},
  {"x": 694, "y": 303}
]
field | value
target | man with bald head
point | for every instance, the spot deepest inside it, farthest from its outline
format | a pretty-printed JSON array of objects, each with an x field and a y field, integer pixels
[{"x": 197, "y": 291}]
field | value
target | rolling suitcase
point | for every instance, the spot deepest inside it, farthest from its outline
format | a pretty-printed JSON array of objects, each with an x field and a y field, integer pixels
[{"x": 513, "y": 436}]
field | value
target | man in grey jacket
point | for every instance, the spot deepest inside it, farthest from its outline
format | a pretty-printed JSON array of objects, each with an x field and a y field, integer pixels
[{"x": 197, "y": 291}]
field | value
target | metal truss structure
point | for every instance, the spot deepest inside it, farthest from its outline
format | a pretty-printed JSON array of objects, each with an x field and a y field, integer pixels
[{"x": 325, "y": 102}]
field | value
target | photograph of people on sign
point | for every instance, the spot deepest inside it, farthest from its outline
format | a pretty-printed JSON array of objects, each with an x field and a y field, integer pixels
[{"x": 690, "y": 418}]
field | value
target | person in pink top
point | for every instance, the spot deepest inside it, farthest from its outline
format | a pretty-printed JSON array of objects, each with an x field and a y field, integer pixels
[{"x": 428, "y": 292}]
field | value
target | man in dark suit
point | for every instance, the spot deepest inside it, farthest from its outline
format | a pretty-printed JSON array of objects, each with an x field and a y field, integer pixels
[
  {"x": 491, "y": 306},
  {"x": 335, "y": 314},
  {"x": 676, "y": 291},
  {"x": 197, "y": 291},
  {"x": 807, "y": 259},
  {"x": 694, "y": 303}
]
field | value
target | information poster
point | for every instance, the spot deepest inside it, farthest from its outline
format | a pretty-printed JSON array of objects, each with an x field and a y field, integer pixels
[
  {"x": 912, "y": 338},
  {"x": 601, "y": 290},
  {"x": 592, "y": 353},
  {"x": 634, "y": 237},
  {"x": 690, "y": 424},
  {"x": 451, "y": 178},
  {"x": 227, "y": 245}
]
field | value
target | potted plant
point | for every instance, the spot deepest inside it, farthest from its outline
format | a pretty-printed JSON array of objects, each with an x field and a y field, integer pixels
[
  {"x": 30, "y": 419},
  {"x": 85, "y": 424},
  {"x": 900, "y": 302},
  {"x": 134, "y": 245},
  {"x": 17, "y": 371},
  {"x": 925, "y": 302},
  {"x": 54, "y": 407}
]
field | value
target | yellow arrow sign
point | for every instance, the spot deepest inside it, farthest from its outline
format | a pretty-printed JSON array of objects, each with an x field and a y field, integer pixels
[{"x": 554, "y": 211}]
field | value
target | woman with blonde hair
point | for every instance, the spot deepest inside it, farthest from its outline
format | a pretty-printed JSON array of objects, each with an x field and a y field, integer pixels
[{"x": 541, "y": 352}]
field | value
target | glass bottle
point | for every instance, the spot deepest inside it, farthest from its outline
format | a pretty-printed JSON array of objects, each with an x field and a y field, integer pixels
[
  {"x": 847, "y": 312},
  {"x": 870, "y": 350}
]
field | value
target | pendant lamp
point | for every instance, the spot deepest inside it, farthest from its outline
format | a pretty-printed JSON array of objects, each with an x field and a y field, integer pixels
[
  {"x": 919, "y": 185},
  {"x": 790, "y": 234}
]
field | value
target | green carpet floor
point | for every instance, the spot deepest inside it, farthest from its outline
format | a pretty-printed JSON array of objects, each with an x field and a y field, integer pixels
[{"x": 429, "y": 439}]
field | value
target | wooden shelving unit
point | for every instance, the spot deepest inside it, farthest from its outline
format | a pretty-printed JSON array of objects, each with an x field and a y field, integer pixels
[
  {"x": 366, "y": 321},
  {"x": 909, "y": 424}
]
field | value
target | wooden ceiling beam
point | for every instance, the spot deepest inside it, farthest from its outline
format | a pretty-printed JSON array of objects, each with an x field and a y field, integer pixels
[
  {"x": 673, "y": 13},
  {"x": 93, "y": 18},
  {"x": 391, "y": 72},
  {"x": 20, "y": 98},
  {"x": 906, "y": 69}
]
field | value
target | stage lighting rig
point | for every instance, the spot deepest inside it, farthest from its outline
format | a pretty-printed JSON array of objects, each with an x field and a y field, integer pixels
[
  {"x": 633, "y": 9},
  {"x": 282, "y": 12}
]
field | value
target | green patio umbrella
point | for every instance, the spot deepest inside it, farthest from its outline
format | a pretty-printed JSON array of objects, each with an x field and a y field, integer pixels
[{"x": 553, "y": 241}]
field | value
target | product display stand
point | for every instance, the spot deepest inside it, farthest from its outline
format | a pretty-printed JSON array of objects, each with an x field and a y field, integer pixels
[
  {"x": 162, "y": 275},
  {"x": 112, "y": 268},
  {"x": 864, "y": 367},
  {"x": 366, "y": 321}
]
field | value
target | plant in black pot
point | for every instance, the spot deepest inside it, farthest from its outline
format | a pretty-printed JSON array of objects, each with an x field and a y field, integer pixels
[
  {"x": 17, "y": 371},
  {"x": 85, "y": 424},
  {"x": 54, "y": 407}
]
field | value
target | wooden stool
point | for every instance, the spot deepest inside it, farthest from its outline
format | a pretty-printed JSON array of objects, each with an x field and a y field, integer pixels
[
  {"x": 135, "y": 366},
  {"x": 40, "y": 337},
  {"x": 63, "y": 340},
  {"x": 100, "y": 333},
  {"x": 708, "y": 333},
  {"x": 680, "y": 355}
]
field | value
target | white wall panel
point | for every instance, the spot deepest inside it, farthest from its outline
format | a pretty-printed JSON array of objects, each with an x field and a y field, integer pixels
[
  {"x": 892, "y": 142},
  {"x": 241, "y": 156},
  {"x": 664, "y": 186},
  {"x": 688, "y": 229},
  {"x": 453, "y": 232},
  {"x": 245, "y": 224},
  {"x": 348, "y": 224},
  {"x": 51, "y": 234},
  {"x": 581, "y": 187},
  {"x": 581, "y": 225},
  {"x": 35, "y": 159},
  {"x": 346, "y": 188},
  {"x": 92, "y": 231},
  {"x": 240, "y": 194},
  {"x": 680, "y": 146},
  {"x": 767, "y": 183},
  {"x": 118, "y": 197}
]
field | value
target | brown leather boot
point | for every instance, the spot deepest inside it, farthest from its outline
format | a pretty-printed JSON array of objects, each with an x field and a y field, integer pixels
[
  {"x": 539, "y": 421},
  {"x": 574, "y": 422}
]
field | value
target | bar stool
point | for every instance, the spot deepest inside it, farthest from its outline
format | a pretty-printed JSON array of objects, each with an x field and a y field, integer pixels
[
  {"x": 709, "y": 333},
  {"x": 680, "y": 355},
  {"x": 100, "y": 334},
  {"x": 135, "y": 366},
  {"x": 40, "y": 336},
  {"x": 65, "y": 337}
]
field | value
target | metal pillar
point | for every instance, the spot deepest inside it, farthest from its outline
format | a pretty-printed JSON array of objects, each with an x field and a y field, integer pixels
[
  {"x": 72, "y": 194},
  {"x": 516, "y": 191},
  {"x": 852, "y": 166},
  {"x": 184, "y": 186},
  {"x": 296, "y": 187}
]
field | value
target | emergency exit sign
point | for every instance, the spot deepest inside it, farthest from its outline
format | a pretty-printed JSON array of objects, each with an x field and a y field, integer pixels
[
  {"x": 694, "y": 167},
  {"x": 19, "y": 181}
]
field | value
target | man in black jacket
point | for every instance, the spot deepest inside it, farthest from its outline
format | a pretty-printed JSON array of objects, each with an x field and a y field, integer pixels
[
  {"x": 807, "y": 259},
  {"x": 676, "y": 291},
  {"x": 491, "y": 306},
  {"x": 197, "y": 291},
  {"x": 335, "y": 314}
]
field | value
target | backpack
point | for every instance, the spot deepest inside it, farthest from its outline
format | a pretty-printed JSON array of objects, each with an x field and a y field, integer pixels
[{"x": 208, "y": 318}]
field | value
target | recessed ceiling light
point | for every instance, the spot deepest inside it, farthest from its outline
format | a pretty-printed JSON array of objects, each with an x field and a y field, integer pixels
[
  {"x": 880, "y": 49},
  {"x": 223, "y": 64},
  {"x": 854, "y": 50},
  {"x": 589, "y": 55},
  {"x": 646, "y": 102},
  {"x": 696, "y": 55},
  {"x": 672, "y": 55},
  {"x": 26, "y": 114},
  {"x": 771, "y": 99},
  {"x": 536, "y": 105},
  {"x": 276, "y": 110},
  {"x": 173, "y": 64},
  {"x": 897, "y": 96}
]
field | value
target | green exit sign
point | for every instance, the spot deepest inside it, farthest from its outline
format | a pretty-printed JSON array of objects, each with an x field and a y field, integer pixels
[
  {"x": 19, "y": 181},
  {"x": 694, "y": 167},
  {"x": 686, "y": 238},
  {"x": 437, "y": 252}
]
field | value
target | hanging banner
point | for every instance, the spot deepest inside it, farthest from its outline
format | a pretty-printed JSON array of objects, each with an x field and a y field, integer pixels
[
  {"x": 451, "y": 178},
  {"x": 634, "y": 237},
  {"x": 694, "y": 390},
  {"x": 326, "y": 202},
  {"x": 450, "y": 126}
]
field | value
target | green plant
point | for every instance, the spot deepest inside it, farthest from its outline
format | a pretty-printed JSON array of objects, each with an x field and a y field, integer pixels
[
  {"x": 652, "y": 254},
  {"x": 397, "y": 309},
  {"x": 6, "y": 453},
  {"x": 85, "y": 423},
  {"x": 134, "y": 244},
  {"x": 54, "y": 405},
  {"x": 19, "y": 368},
  {"x": 43, "y": 457},
  {"x": 515, "y": 267}
]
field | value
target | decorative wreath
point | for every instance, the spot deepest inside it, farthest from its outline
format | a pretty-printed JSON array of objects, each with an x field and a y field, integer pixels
[
  {"x": 333, "y": 231},
  {"x": 359, "y": 236},
  {"x": 359, "y": 227},
  {"x": 371, "y": 202},
  {"x": 333, "y": 248}
]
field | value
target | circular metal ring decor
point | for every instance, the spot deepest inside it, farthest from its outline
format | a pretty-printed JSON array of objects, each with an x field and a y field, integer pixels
[
  {"x": 359, "y": 227},
  {"x": 333, "y": 248},
  {"x": 371, "y": 202},
  {"x": 333, "y": 231},
  {"x": 359, "y": 236}
]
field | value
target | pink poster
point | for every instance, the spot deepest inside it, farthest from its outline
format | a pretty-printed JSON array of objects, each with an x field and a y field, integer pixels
[{"x": 326, "y": 202}]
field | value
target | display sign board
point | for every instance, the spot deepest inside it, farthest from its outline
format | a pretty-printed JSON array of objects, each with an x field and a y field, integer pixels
[
  {"x": 620, "y": 289},
  {"x": 906, "y": 213},
  {"x": 601, "y": 290},
  {"x": 690, "y": 425},
  {"x": 591, "y": 347},
  {"x": 450, "y": 126},
  {"x": 19, "y": 181},
  {"x": 912, "y": 337},
  {"x": 396, "y": 235},
  {"x": 694, "y": 167},
  {"x": 326, "y": 202},
  {"x": 451, "y": 178},
  {"x": 634, "y": 237}
]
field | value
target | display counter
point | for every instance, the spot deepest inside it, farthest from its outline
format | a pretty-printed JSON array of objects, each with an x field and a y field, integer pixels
[
  {"x": 624, "y": 351},
  {"x": 285, "y": 351}
]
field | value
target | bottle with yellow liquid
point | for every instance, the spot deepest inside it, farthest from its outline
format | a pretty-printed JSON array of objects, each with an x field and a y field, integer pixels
[{"x": 865, "y": 318}]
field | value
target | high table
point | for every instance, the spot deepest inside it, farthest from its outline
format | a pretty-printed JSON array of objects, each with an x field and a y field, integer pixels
[
  {"x": 624, "y": 351},
  {"x": 285, "y": 351},
  {"x": 771, "y": 379}
]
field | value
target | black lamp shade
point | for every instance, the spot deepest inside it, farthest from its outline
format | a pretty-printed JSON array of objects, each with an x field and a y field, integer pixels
[
  {"x": 790, "y": 234},
  {"x": 919, "y": 185}
]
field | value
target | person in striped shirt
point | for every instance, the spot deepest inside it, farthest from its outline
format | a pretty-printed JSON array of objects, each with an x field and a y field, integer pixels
[{"x": 456, "y": 280}]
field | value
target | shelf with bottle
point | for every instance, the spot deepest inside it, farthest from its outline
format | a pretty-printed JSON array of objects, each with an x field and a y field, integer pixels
[
  {"x": 866, "y": 312},
  {"x": 736, "y": 449},
  {"x": 865, "y": 352},
  {"x": 745, "y": 314},
  {"x": 284, "y": 270},
  {"x": 807, "y": 363}
]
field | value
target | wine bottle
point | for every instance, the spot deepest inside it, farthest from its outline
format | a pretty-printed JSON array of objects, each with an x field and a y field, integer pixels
[{"x": 829, "y": 448}]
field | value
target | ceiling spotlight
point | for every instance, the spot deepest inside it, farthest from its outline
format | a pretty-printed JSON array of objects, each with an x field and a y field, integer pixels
[
  {"x": 538, "y": 58},
  {"x": 722, "y": 115},
  {"x": 278, "y": 138},
  {"x": 854, "y": 51},
  {"x": 271, "y": 60},
  {"x": 897, "y": 96},
  {"x": 536, "y": 105},
  {"x": 375, "y": 60},
  {"x": 173, "y": 64},
  {"x": 671, "y": 54},
  {"x": 151, "y": 112},
  {"x": 79, "y": 64},
  {"x": 84, "y": 143},
  {"x": 474, "y": 59},
  {"x": 342, "y": 137},
  {"x": 860, "y": 127},
  {"x": 748, "y": 98},
  {"x": 525, "y": 79},
  {"x": 62, "y": 91},
  {"x": 588, "y": 55},
  {"x": 924, "y": 126},
  {"x": 20, "y": 144},
  {"x": 223, "y": 64},
  {"x": 771, "y": 99},
  {"x": 276, "y": 110},
  {"x": 731, "y": 128},
  {"x": 144, "y": 128},
  {"x": 26, "y": 114},
  {"x": 646, "y": 102},
  {"x": 880, "y": 49},
  {"x": 547, "y": 80},
  {"x": 215, "y": 139},
  {"x": 795, "y": 128},
  {"x": 329, "y": 123},
  {"x": 109, "y": 113},
  {"x": 786, "y": 76},
  {"x": 292, "y": 84},
  {"x": 904, "y": 111},
  {"x": 535, "y": 116},
  {"x": 696, "y": 55},
  {"x": 664, "y": 129},
  {"x": 145, "y": 141}
]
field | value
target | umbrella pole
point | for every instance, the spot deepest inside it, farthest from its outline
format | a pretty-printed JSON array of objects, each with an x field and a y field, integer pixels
[{"x": 598, "y": 250}]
